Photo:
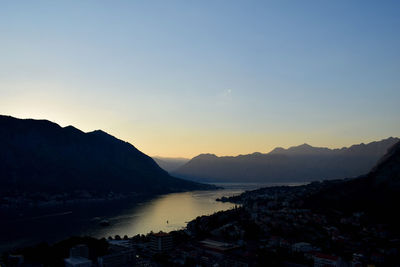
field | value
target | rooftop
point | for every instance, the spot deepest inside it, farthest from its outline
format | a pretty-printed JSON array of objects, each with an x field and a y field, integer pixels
[
  {"x": 77, "y": 260},
  {"x": 326, "y": 256}
]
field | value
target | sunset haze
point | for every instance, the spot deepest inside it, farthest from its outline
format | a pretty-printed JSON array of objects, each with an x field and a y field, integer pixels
[{"x": 178, "y": 79}]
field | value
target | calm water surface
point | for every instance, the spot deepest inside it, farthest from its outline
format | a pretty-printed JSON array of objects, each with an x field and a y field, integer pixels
[
  {"x": 165, "y": 213},
  {"x": 127, "y": 217}
]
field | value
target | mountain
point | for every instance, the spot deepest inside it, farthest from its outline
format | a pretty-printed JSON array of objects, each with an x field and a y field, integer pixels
[
  {"x": 374, "y": 193},
  {"x": 295, "y": 164},
  {"x": 170, "y": 164},
  {"x": 39, "y": 155}
]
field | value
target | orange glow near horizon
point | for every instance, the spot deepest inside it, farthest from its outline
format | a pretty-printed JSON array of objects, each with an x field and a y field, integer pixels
[
  {"x": 177, "y": 80},
  {"x": 188, "y": 143}
]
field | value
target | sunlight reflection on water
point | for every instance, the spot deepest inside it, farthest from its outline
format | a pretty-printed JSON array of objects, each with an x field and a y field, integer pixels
[
  {"x": 126, "y": 217},
  {"x": 166, "y": 213}
]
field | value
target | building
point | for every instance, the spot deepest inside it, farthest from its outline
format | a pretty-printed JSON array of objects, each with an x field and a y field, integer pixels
[
  {"x": 123, "y": 258},
  {"x": 217, "y": 246},
  {"x": 161, "y": 242},
  {"x": 77, "y": 262},
  {"x": 15, "y": 260},
  {"x": 302, "y": 247},
  {"x": 79, "y": 251},
  {"x": 324, "y": 260}
]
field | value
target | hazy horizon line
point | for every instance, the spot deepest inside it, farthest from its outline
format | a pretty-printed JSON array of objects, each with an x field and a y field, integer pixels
[{"x": 175, "y": 156}]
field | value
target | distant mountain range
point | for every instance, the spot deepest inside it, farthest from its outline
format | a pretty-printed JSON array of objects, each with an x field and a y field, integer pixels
[
  {"x": 375, "y": 193},
  {"x": 41, "y": 156},
  {"x": 170, "y": 164},
  {"x": 296, "y": 164}
]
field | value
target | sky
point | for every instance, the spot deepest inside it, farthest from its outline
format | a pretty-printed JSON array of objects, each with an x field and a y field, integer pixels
[{"x": 180, "y": 78}]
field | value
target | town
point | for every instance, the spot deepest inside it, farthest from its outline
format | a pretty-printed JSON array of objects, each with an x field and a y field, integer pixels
[{"x": 270, "y": 226}]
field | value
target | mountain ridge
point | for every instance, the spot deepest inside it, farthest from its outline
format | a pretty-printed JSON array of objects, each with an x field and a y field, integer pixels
[
  {"x": 294, "y": 164},
  {"x": 372, "y": 193},
  {"x": 169, "y": 164},
  {"x": 40, "y": 155}
]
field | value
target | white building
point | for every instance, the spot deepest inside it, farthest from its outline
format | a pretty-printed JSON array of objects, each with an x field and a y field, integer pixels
[{"x": 161, "y": 242}]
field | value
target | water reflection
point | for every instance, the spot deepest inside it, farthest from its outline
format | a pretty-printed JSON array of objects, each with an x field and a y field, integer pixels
[
  {"x": 166, "y": 213},
  {"x": 127, "y": 217}
]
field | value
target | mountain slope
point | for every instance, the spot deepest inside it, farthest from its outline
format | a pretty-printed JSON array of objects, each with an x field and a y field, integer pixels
[
  {"x": 38, "y": 155},
  {"x": 295, "y": 164},
  {"x": 170, "y": 164},
  {"x": 373, "y": 193}
]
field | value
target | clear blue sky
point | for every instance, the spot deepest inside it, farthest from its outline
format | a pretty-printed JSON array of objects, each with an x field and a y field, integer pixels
[{"x": 178, "y": 78}]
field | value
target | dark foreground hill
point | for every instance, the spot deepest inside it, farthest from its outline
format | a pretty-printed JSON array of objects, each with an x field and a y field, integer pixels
[
  {"x": 376, "y": 193},
  {"x": 297, "y": 164},
  {"x": 38, "y": 155}
]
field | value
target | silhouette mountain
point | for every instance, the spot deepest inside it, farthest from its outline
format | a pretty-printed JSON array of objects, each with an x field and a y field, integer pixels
[
  {"x": 170, "y": 164},
  {"x": 374, "y": 193},
  {"x": 295, "y": 164},
  {"x": 39, "y": 155}
]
